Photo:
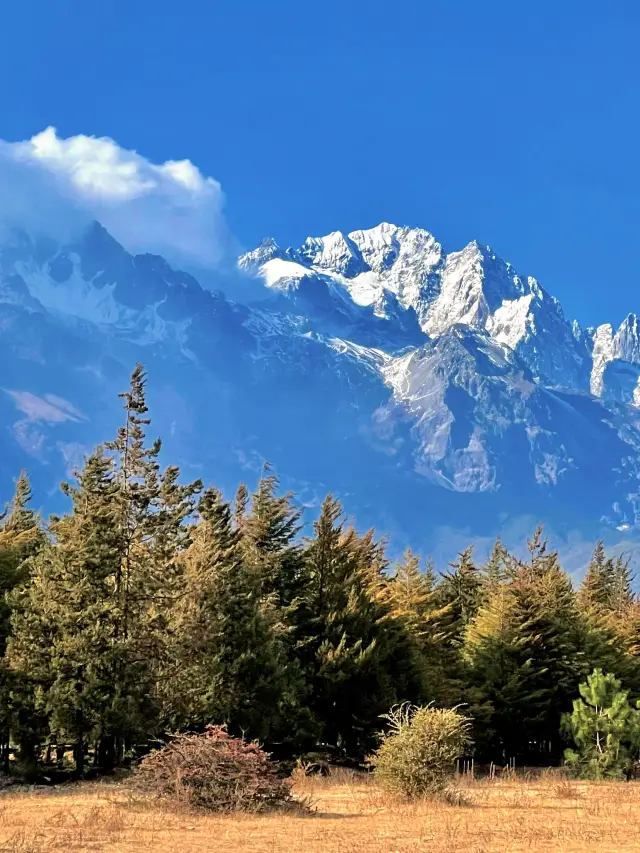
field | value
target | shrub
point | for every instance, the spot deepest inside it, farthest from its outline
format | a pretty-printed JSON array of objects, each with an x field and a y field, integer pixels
[
  {"x": 214, "y": 772},
  {"x": 417, "y": 754}
]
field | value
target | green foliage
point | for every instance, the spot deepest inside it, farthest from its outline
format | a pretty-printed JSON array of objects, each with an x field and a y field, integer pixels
[
  {"x": 414, "y": 599},
  {"x": 526, "y": 658},
  {"x": 461, "y": 589},
  {"x": 233, "y": 660},
  {"x": 89, "y": 624},
  {"x": 354, "y": 652},
  {"x": 605, "y": 728},
  {"x": 417, "y": 755},
  {"x": 143, "y": 609},
  {"x": 21, "y": 536},
  {"x": 607, "y": 583}
]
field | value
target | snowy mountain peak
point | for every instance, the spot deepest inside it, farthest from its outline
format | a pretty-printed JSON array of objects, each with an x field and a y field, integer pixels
[
  {"x": 251, "y": 262},
  {"x": 628, "y": 339},
  {"x": 615, "y": 357},
  {"x": 390, "y": 249},
  {"x": 333, "y": 252},
  {"x": 364, "y": 265},
  {"x": 95, "y": 282},
  {"x": 472, "y": 287},
  {"x": 379, "y": 245}
]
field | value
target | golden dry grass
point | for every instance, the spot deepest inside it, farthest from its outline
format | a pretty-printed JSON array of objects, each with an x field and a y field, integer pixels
[{"x": 350, "y": 816}]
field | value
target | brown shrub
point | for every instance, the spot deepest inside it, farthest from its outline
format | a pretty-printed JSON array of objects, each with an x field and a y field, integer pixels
[{"x": 214, "y": 772}]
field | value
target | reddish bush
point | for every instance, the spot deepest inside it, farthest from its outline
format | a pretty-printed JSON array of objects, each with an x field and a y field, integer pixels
[{"x": 215, "y": 772}]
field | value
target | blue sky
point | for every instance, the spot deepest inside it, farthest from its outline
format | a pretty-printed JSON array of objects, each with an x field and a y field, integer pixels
[{"x": 514, "y": 123}]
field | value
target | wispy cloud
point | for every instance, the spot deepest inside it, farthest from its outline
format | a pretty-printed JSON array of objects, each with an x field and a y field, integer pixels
[
  {"x": 51, "y": 184},
  {"x": 49, "y": 409},
  {"x": 29, "y": 438},
  {"x": 73, "y": 454}
]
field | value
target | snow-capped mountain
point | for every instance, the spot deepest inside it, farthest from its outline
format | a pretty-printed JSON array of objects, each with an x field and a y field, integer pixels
[
  {"x": 405, "y": 268},
  {"x": 426, "y": 388}
]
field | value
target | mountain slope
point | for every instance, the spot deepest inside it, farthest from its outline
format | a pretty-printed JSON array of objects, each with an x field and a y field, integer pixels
[{"x": 426, "y": 388}]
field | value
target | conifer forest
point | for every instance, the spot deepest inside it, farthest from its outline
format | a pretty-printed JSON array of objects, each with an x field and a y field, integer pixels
[{"x": 154, "y": 605}]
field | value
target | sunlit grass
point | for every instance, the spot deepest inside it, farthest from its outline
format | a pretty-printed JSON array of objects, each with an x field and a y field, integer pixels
[{"x": 350, "y": 814}]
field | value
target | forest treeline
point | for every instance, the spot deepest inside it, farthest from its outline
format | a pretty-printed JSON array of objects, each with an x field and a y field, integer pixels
[{"x": 157, "y": 606}]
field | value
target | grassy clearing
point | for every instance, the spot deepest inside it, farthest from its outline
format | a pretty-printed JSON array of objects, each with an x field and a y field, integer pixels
[{"x": 350, "y": 815}]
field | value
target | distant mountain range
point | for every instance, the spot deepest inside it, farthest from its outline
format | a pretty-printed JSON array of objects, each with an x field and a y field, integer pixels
[{"x": 432, "y": 392}]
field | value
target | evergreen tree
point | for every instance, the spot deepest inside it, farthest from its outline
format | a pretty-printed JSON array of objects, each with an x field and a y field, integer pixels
[
  {"x": 605, "y": 728},
  {"x": 597, "y": 590},
  {"x": 461, "y": 590},
  {"x": 150, "y": 514},
  {"x": 233, "y": 664},
  {"x": 269, "y": 528},
  {"x": 623, "y": 596},
  {"x": 354, "y": 652},
  {"x": 240, "y": 505},
  {"x": 90, "y": 627},
  {"x": 609, "y": 611},
  {"x": 21, "y": 536},
  {"x": 499, "y": 567},
  {"x": 525, "y": 650},
  {"x": 413, "y": 597},
  {"x": 412, "y": 593},
  {"x": 19, "y": 517},
  {"x": 61, "y": 639}
]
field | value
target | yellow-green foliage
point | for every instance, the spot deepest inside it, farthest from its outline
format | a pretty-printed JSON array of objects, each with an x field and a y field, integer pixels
[{"x": 417, "y": 754}]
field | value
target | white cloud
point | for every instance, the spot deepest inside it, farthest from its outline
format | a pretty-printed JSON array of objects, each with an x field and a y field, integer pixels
[
  {"x": 55, "y": 186},
  {"x": 29, "y": 438},
  {"x": 49, "y": 409},
  {"x": 73, "y": 454}
]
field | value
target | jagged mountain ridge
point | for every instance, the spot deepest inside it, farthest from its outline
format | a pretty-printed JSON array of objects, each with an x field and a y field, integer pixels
[{"x": 417, "y": 384}]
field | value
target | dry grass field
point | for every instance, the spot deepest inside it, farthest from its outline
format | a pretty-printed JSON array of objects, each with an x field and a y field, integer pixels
[{"x": 349, "y": 815}]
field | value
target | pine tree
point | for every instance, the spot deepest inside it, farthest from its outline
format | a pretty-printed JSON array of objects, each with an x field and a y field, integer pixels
[
  {"x": 151, "y": 509},
  {"x": 412, "y": 596},
  {"x": 461, "y": 589},
  {"x": 597, "y": 590},
  {"x": 526, "y": 657},
  {"x": 90, "y": 627},
  {"x": 611, "y": 616},
  {"x": 607, "y": 584},
  {"x": 623, "y": 597},
  {"x": 240, "y": 505},
  {"x": 605, "y": 728},
  {"x": 354, "y": 652},
  {"x": 549, "y": 622},
  {"x": 499, "y": 567},
  {"x": 269, "y": 529},
  {"x": 19, "y": 517},
  {"x": 21, "y": 536},
  {"x": 233, "y": 658},
  {"x": 61, "y": 638}
]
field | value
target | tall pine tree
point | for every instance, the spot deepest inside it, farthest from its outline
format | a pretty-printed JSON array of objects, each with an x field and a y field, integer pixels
[
  {"x": 354, "y": 651},
  {"x": 21, "y": 536},
  {"x": 233, "y": 663},
  {"x": 90, "y": 626}
]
